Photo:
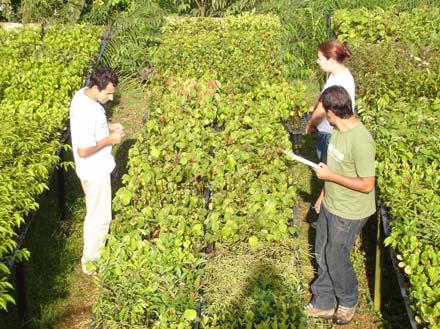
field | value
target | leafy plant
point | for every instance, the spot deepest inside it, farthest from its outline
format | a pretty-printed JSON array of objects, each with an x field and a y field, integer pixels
[
  {"x": 134, "y": 32},
  {"x": 228, "y": 50},
  {"x": 245, "y": 288},
  {"x": 399, "y": 100},
  {"x": 206, "y": 171},
  {"x": 7, "y": 10},
  {"x": 40, "y": 73},
  {"x": 304, "y": 25},
  {"x": 215, "y": 8},
  {"x": 61, "y": 11}
]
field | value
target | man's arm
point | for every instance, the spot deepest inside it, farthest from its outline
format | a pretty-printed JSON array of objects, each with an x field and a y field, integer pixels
[
  {"x": 360, "y": 184},
  {"x": 113, "y": 138}
]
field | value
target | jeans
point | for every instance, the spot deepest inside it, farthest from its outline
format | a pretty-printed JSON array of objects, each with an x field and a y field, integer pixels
[
  {"x": 322, "y": 145},
  {"x": 335, "y": 237}
]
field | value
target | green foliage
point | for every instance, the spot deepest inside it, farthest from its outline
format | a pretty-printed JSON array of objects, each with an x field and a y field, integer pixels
[
  {"x": 134, "y": 32},
  {"x": 102, "y": 12},
  {"x": 400, "y": 101},
  {"x": 415, "y": 27},
  {"x": 39, "y": 74},
  {"x": 253, "y": 191},
  {"x": 215, "y": 8},
  {"x": 163, "y": 198},
  {"x": 229, "y": 50},
  {"x": 147, "y": 282},
  {"x": 201, "y": 136},
  {"x": 7, "y": 10},
  {"x": 304, "y": 26},
  {"x": 60, "y": 11},
  {"x": 198, "y": 138}
]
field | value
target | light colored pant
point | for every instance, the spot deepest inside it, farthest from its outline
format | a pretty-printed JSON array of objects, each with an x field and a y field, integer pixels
[{"x": 99, "y": 215}]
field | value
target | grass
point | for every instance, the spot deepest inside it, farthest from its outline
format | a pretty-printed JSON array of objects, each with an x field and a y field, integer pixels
[{"x": 265, "y": 284}]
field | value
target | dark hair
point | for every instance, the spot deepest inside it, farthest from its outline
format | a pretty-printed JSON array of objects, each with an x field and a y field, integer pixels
[
  {"x": 335, "y": 49},
  {"x": 101, "y": 77},
  {"x": 337, "y": 100}
]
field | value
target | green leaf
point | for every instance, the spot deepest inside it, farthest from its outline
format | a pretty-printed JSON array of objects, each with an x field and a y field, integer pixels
[
  {"x": 155, "y": 152},
  {"x": 190, "y": 314},
  {"x": 253, "y": 242}
]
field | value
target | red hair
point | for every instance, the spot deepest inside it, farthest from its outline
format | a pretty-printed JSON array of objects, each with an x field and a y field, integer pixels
[{"x": 335, "y": 49}]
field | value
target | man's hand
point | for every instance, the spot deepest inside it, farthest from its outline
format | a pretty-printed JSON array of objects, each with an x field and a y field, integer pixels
[
  {"x": 323, "y": 172},
  {"x": 116, "y": 137},
  {"x": 112, "y": 139},
  {"x": 115, "y": 127},
  {"x": 318, "y": 202}
]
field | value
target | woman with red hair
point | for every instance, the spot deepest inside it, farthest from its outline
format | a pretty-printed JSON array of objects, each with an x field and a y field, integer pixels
[{"x": 332, "y": 55}]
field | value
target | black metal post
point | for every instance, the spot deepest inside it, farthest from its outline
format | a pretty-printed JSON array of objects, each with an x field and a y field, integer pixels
[
  {"x": 330, "y": 34},
  {"x": 61, "y": 188},
  {"x": 401, "y": 280}
]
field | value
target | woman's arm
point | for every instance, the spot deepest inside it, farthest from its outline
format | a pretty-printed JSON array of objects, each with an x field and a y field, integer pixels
[{"x": 317, "y": 116}]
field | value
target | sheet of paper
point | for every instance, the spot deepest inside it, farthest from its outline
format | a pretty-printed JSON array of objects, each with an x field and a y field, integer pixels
[{"x": 300, "y": 159}]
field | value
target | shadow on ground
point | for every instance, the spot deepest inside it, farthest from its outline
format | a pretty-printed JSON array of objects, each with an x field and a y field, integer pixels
[{"x": 259, "y": 298}]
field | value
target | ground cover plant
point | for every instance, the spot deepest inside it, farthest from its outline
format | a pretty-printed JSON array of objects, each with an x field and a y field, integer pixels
[
  {"x": 266, "y": 290},
  {"x": 39, "y": 74},
  {"x": 400, "y": 101}
]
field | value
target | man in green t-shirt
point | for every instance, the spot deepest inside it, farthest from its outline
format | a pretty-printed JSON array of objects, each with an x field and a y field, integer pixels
[{"x": 344, "y": 206}]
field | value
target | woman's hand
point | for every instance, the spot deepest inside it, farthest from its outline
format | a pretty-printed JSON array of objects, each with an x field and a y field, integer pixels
[{"x": 310, "y": 128}]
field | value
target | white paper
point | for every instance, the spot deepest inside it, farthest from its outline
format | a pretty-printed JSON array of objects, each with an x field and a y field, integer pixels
[{"x": 300, "y": 159}]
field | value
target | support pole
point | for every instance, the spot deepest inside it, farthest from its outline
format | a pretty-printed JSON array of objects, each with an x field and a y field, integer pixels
[{"x": 379, "y": 265}]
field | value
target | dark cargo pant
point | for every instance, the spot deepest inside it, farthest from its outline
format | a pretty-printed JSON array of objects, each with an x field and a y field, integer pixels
[{"x": 335, "y": 237}]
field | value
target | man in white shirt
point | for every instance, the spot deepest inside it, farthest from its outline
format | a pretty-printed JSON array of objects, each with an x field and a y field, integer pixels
[{"x": 92, "y": 140}]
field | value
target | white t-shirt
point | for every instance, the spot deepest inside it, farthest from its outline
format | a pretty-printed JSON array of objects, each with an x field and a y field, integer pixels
[
  {"x": 88, "y": 125},
  {"x": 343, "y": 79}
]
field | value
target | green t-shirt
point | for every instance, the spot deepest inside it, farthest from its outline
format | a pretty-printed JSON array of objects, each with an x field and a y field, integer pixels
[{"x": 350, "y": 153}]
